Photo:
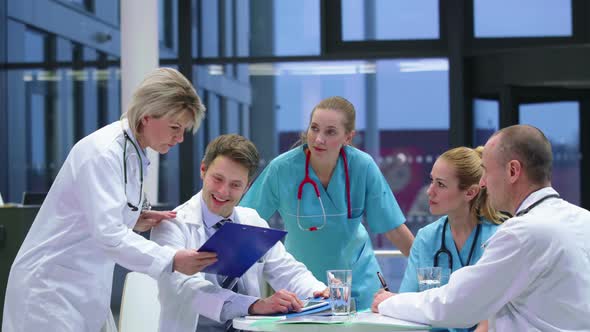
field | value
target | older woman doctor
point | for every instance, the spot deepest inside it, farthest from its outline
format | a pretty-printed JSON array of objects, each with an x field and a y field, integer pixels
[
  {"x": 61, "y": 278},
  {"x": 322, "y": 190}
]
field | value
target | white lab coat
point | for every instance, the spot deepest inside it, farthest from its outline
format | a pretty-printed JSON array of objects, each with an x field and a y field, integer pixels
[
  {"x": 533, "y": 276},
  {"x": 62, "y": 276},
  {"x": 183, "y": 298}
]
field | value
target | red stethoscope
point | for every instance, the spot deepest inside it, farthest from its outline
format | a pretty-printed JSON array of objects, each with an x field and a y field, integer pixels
[{"x": 308, "y": 179}]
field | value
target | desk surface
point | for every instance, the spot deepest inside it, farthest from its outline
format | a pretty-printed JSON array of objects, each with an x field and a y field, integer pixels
[{"x": 362, "y": 322}]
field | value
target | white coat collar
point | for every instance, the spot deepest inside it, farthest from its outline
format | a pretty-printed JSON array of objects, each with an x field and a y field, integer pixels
[{"x": 534, "y": 197}]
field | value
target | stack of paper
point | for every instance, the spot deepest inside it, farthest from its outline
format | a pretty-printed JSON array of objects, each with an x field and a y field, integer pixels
[{"x": 377, "y": 319}]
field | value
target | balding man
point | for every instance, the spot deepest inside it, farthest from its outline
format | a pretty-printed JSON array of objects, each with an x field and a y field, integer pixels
[{"x": 535, "y": 272}]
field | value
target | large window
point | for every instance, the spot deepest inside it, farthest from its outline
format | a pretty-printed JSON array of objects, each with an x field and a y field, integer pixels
[
  {"x": 53, "y": 107},
  {"x": 389, "y": 20},
  {"x": 485, "y": 119},
  {"x": 525, "y": 18},
  {"x": 564, "y": 136}
]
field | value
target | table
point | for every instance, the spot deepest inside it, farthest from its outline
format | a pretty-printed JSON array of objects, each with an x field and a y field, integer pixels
[{"x": 361, "y": 322}]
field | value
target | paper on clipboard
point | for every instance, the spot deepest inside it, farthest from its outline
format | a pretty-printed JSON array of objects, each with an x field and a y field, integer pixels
[{"x": 238, "y": 247}]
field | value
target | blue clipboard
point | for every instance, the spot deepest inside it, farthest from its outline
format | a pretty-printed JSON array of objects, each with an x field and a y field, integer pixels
[{"x": 238, "y": 247}]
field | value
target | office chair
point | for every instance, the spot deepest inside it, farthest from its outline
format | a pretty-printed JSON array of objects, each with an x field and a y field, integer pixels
[{"x": 140, "y": 308}]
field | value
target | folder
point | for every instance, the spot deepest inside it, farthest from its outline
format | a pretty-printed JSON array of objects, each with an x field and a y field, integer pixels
[
  {"x": 238, "y": 247},
  {"x": 311, "y": 307}
]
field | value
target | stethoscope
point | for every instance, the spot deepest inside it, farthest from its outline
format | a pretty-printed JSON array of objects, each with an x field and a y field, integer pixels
[
  {"x": 443, "y": 248},
  {"x": 127, "y": 138},
  {"x": 527, "y": 210},
  {"x": 307, "y": 179}
]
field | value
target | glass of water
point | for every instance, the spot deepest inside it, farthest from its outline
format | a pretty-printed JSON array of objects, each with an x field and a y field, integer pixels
[
  {"x": 428, "y": 277},
  {"x": 340, "y": 283}
]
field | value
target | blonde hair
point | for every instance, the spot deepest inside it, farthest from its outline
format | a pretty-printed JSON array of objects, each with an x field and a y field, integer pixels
[
  {"x": 467, "y": 165},
  {"x": 338, "y": 104},
  {"x": 165, "y": 92}
]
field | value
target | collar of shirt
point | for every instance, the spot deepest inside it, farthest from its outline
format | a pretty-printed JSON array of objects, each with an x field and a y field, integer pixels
[
  {"x": 535, "y": 196},
  {"x": 144, "y": 158},
  {"x": 210, "y": 218}
]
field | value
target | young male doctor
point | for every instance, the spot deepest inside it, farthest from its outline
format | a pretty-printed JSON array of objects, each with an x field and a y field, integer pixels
[
  {"x": 227, "y": 168},
  {"x": 534, "y": 274}
]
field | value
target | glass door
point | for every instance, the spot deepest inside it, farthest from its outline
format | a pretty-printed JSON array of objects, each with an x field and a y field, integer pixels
[{"x": 563, "y": 115}]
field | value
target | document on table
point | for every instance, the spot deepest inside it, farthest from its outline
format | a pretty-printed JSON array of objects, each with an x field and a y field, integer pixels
[
  {"x": 313, "y": 319},
  {"x": 312, "y": 306},
  {"x": 377, "y": 319}
]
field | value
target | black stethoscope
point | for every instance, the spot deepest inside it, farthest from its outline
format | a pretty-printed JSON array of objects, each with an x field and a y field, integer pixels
[
  {"x": 127, "y": 138},
  {"x": 527, "y": 210},
  {"x": 443, "y": 248},
  {"x": 307, "y": 179}
]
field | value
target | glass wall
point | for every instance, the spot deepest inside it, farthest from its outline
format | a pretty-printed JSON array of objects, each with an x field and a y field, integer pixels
[
  {"x": 390, "y": 20},
  {"x": 564, "y": 136},
  {"x": 50, "y": 107},
  {"x": 486, "y": 120},
  {"x": 525, "y": 18}
]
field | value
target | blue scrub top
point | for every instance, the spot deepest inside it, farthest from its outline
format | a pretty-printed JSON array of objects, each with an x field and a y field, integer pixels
[
  {"x": 427, "y": 243},
  {"x": 343, "y": 243}
]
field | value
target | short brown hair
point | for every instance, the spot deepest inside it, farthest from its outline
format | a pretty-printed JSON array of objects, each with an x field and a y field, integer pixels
[{"x": 235, "y": 147}]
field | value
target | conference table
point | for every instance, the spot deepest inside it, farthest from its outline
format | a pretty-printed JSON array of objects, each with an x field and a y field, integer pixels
[{"x": 360, "y": 322}]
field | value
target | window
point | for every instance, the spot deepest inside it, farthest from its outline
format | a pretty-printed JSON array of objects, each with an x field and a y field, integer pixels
[
  {"x": 486, "y": 120},
  {"x": 389, "y": 20},
  {"x": 526, "y": 18},
  {"x": 564, "y": 136}
]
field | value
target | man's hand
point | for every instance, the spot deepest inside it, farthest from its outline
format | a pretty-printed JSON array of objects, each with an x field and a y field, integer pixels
[
  {"x": 190, "y": 261},
  {"x": 149, "y": 218},
  {"x": 323, "y": 293},
  {"x": 281, "y": 301},
  {"x": 379, "y": 297}
]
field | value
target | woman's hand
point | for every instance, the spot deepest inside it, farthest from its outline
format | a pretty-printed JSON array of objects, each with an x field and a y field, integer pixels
[
  {"x": 149, "y": 218},
  {"x": 190, "y": 261}
]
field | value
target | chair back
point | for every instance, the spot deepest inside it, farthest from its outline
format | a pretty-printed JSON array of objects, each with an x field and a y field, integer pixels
[{"x": 140, "y": 308}]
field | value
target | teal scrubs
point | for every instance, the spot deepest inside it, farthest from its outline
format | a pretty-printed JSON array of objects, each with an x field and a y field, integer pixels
[
  {"x": 342, "y": 243},
  {"x": 428, "y": 242}
]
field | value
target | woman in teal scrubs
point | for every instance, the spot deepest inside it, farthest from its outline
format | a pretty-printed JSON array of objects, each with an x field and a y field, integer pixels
[
  {"x": 468, "y": 223},
  {"x": 326, "y": 233}
]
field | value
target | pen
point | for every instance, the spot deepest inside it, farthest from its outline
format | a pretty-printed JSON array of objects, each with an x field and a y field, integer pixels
[{"x": 385, "y": 288}]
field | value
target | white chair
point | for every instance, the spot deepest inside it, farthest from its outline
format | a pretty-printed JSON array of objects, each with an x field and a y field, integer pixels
[{"x": 140, "y": 308}]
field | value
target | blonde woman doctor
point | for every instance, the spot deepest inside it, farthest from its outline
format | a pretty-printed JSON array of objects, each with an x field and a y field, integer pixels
[{"x": 61, "y": 278}]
